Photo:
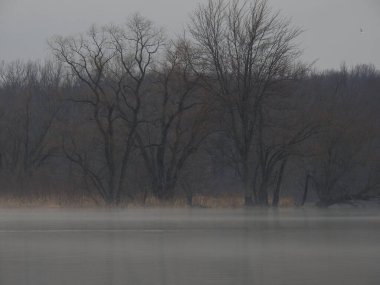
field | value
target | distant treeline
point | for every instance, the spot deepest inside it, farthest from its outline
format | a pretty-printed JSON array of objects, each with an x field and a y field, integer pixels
[{"x": 123, "y": 112}]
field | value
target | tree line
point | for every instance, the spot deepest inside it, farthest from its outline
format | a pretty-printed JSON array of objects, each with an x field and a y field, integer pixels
[{"x": 122, "y": 112}]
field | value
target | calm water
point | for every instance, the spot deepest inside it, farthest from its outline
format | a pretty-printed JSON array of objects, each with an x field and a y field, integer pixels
[{"x": 114, "y": 247}]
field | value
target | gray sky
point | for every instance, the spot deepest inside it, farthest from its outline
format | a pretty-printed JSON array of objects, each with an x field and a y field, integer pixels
[{"x": 331, "y": 27}]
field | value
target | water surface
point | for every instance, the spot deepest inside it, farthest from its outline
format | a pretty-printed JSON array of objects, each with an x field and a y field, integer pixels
[{"x": 189, "y": 246}]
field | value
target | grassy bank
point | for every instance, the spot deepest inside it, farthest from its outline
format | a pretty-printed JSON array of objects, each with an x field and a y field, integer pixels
[{"x": 199, "y": 201}]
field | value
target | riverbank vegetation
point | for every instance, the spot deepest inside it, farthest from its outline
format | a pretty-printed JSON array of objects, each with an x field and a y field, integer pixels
[{"x": 125, "y": 115}]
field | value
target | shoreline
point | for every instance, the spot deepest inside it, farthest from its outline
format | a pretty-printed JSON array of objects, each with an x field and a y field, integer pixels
[{"x": 222, "y": 201}]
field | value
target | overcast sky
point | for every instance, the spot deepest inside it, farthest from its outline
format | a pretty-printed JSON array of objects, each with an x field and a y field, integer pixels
[{"x": 332, "y": 28}]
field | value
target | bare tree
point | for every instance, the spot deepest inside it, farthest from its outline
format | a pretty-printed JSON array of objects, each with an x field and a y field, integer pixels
[
  {"x": 178, "y": 112},
  {"x": 344, "y": 150},
  {"x": 112, "y": 62},
  {"x": 283, "y": 130},
  {"x": 32, "y": 94},
  {"x": 247, "y": 49}
]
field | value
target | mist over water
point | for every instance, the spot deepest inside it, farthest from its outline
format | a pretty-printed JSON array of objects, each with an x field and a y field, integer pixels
[{"x": 189, "y": 246}]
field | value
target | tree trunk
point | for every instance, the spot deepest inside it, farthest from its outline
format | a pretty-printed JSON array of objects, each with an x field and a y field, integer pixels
[
  {"x": 276, "y": 194},
  {"x": 262, "y": 197},
  {"x": 189, "y": 199},
  {"x": 306, "y": 189},
  {"x": 247, "y": 184},
  {"x": 248, "y": 201}
]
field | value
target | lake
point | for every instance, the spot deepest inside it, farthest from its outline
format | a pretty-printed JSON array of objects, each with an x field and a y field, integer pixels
[{"x": 189, "y": 246}]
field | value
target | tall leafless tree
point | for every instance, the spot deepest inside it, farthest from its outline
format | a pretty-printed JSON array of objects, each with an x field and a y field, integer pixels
[
  {"x": 178, "y": 113},
  {"x": 247, "y": 49},
  {"x": 112, "y": 62}
]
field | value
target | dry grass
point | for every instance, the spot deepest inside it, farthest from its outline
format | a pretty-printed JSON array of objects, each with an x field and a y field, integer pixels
[
  {"x": 287, "y": 202},
  {"x": 225, "y": 200},
  {"x": 220, "y": 201},
  {"x": 45, "y": 202},
  {"x": 201, "y": 201}
]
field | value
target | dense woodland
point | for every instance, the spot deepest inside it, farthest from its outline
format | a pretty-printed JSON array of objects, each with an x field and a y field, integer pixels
[{"x": 122, "y": 112}]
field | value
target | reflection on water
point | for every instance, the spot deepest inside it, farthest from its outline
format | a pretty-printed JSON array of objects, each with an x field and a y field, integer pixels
[{"x": 113, "y": 247}]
